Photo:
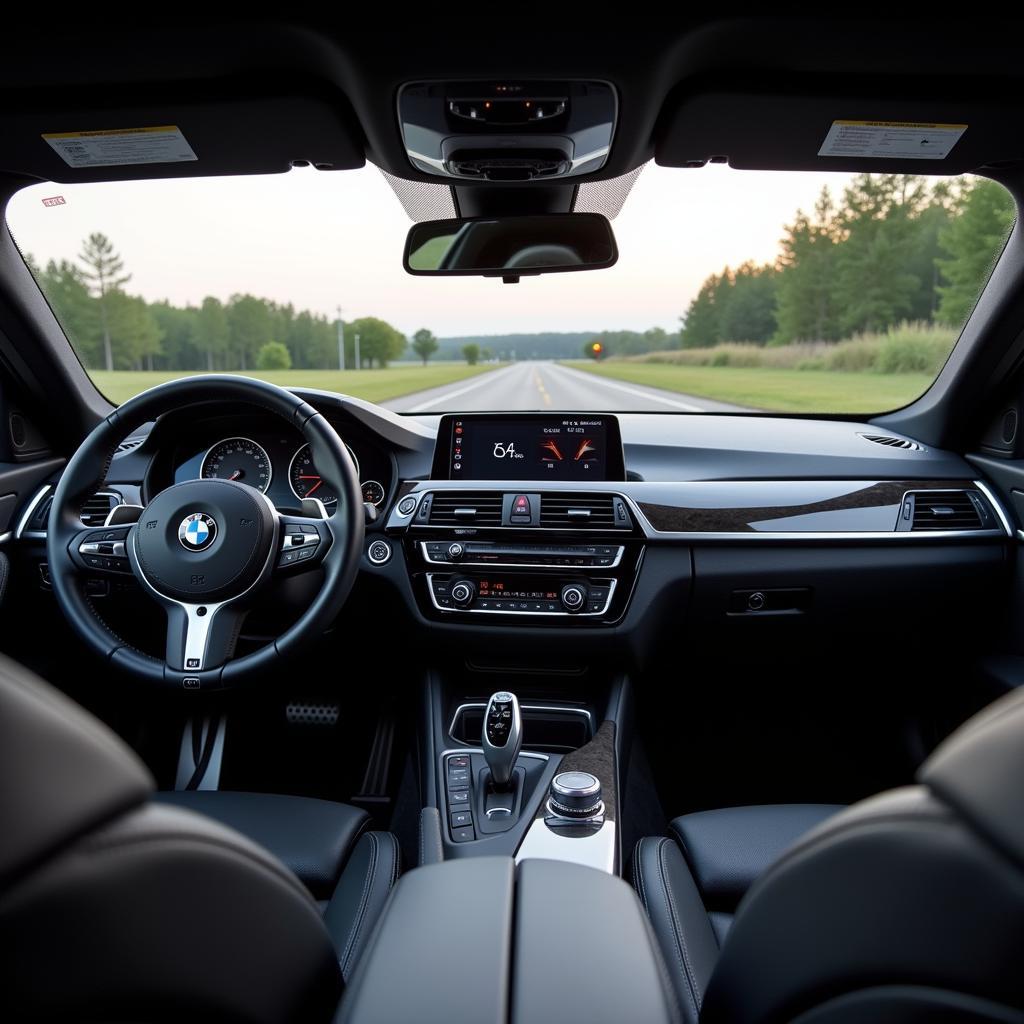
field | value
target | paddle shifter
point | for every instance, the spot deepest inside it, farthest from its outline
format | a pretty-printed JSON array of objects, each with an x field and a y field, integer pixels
[{"x": 502, "y": 737}]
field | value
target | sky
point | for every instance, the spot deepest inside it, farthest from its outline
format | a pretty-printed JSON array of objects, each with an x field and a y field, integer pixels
[{"x": 322, "y": 239}]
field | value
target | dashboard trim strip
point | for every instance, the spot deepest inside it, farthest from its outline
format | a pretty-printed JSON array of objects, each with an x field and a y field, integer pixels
[{"x": 519, "y": 565}]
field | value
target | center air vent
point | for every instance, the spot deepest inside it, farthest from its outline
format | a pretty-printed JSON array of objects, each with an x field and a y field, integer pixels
[
  {"x": 948, "y": 510},
  {"x": 893, "y": 442},
  {"x": 97, "y": 508},
  {"x": 466, "y": 508},
  {"x": 560, "y": 510}
]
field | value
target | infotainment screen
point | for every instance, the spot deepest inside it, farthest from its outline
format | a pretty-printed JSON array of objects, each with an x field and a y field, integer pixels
[{"x": 557, "y": 446}]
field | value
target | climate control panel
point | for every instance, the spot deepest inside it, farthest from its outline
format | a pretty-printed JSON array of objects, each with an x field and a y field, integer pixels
[{"x": 520, "y": 594}]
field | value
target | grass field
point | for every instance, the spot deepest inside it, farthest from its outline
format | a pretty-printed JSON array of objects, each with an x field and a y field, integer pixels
[
  {"x": 373, "y": 385},
  {"x": 776, "y": 390}
]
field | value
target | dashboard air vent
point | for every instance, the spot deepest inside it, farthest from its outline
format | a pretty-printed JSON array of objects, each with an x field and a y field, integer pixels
[
  {"x": 96, "y": 509},
  {"x": 559, "y": 510},
  {"x": 894, "y": 442},
  {"x": 948, "y": 510},
  {"x": 466, "y": 508}
]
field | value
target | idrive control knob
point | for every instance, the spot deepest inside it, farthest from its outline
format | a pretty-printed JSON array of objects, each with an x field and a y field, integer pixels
[
  {"x": 463, "y": 592},
  {"x": 574, "y": 597},
  {"x": 575, "y": 795}
]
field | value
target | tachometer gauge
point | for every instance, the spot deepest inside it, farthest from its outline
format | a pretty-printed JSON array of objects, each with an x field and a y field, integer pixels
[
  {"x": 306, "y": 482},
  {"x": 238, "y": 458},
  {"x": 373, "y": 492}
]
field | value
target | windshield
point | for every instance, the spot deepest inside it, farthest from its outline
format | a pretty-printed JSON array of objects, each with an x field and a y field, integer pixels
[{"x": 734, "y": 290}]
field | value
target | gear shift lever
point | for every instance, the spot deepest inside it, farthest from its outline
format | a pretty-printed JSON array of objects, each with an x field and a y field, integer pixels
[{"x": 502, "y": 737}]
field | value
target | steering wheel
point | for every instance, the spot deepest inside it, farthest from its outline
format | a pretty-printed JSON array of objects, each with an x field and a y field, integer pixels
[{"x": 205, "y": 549}]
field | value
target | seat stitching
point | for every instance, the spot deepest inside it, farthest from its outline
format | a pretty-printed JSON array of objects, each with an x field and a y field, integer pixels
[
  {"x": 363, "y": 901},
  {"x": 423, "y": 835},
  {"x": 684, "y": 959},
  {"x": 638, "y": 876}
]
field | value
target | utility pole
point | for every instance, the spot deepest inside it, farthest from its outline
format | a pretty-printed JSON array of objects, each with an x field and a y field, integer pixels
[
  {"x": 341, "y": 341},
  {"x": 359, "y": 365}
]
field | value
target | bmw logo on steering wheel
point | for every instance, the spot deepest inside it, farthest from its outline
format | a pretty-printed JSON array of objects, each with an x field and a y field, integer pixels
[{"x": 197, "y": 531}]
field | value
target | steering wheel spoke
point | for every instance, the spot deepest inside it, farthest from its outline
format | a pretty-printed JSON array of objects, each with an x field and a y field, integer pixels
[{"x": 201, "y": 637}]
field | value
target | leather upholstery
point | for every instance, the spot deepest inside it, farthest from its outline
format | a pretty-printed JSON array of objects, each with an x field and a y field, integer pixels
[
  {"x": 728, "y": 849},
  {"x": 62, "y": 771},
  {"x": 313, "y": 837},
  {"x": 117, "y": 907},
  {"x": 359, "y": 898},
  {"x": 905, "y": 907},
  {"x": 680, "y": 922}
]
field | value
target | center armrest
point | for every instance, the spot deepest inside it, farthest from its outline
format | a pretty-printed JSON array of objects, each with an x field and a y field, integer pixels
[{"x": 483, "y": 941}]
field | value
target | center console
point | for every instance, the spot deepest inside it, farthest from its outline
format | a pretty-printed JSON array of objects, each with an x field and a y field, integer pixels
[{"x": 506, "y": 529}]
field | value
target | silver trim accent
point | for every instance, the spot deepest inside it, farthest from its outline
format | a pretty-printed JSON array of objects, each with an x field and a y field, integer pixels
[
  {"x": 298, "y": 451},
  {"x": 586, "y": 158},
  {"x": 1000, "y": 513},
  {"x": 519, "y": 565},
  {"x": 5, "y": 537},
  {"x": 499, "y": 611},
  {"x": 595, "y": 818},
  {"x": 29, "y": 512},
  {"x": 92, "y": 547},
  {"x": 210, "y": 779},
  {"x": 479, "y": 750},
  {"x": 582, "y": 712},
  {"x": 595, "y": 850},
  {"x": 248, "y": 440}
]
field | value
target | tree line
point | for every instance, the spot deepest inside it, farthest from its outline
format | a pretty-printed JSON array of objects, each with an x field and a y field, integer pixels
[
  {"x": 894, "y": 248},
  {"x": 114, "y": 330}
]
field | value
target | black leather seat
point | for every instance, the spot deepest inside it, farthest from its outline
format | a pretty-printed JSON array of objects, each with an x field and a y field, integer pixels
[
  {"x": 115, "y": 906},
  {"x": 312, "y": 837},
  {"x": 906, "y": 907}
]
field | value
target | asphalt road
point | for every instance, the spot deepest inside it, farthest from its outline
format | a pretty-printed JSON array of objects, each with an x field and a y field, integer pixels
[{"x": 540, "y": 386}]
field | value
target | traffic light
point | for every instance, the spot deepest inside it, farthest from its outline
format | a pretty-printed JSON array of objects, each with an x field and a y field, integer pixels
[{"x": 596, "y": 349}]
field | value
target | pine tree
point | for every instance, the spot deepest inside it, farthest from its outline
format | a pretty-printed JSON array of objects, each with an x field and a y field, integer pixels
[{"x": 106, "y": 276}]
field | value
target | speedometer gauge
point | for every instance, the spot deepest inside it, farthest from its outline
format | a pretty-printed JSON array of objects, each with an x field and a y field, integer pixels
[
  {"x": 306, "y": 481},
  {"x": 238, "y": 458}
]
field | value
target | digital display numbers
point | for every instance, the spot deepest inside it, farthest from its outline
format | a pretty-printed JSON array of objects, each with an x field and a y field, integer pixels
[
  {"x": 559, "y": 448},
  {"x": 498, "y": 588}
]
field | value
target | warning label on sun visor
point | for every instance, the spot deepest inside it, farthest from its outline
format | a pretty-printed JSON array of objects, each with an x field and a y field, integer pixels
[
  {"x": 121, "y": 147},
  {"x": 893, "y": 140}
]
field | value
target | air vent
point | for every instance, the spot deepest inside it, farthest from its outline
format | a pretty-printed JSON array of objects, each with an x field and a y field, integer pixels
[
  {"x": 578, "y": 511},
  {"x": 894, "y": 442},
  {"x": 130, "y": 444},
  {"x": 97, "y": 508},
  {"x": 948, "y": 510},
  {"x": 466, "y": 508}
]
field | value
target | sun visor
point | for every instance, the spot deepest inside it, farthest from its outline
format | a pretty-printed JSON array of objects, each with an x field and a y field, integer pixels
[
  {"x": 113, "y": 142},
  {"x": 804, "y": 132}
]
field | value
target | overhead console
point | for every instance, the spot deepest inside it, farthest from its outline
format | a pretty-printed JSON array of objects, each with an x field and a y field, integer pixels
[{"x": 509, "y": 130}]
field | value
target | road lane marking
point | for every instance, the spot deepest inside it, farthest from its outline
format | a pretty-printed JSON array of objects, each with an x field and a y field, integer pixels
[
  {"x": 484, "y": 378},
  {"x": 675, "y": 403},
  {"x": 539, "y": 381}
]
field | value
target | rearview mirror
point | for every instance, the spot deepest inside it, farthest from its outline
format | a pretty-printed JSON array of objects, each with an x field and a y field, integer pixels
[{"x": 509, "y": 247}]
